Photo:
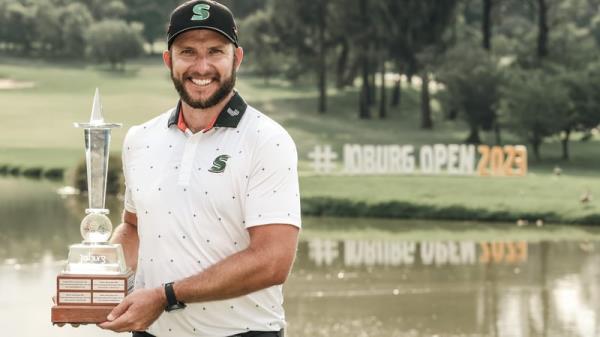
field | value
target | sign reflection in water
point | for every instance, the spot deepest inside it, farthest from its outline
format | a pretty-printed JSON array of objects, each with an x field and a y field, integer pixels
[
  {"x": 363, "y": 286},
  {"x": 447, "y": 288}
]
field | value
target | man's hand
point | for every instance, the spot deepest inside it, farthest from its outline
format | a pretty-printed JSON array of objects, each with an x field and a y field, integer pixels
[{"x": 137, "y": 311}]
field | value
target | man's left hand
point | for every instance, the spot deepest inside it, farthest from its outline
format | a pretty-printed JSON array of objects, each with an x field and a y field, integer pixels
[{"x": 137, "y": 311}]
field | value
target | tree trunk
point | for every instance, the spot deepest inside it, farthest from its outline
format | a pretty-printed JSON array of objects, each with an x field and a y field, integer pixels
[
  {"x": 372, "y": 85},
  {"x": 364, "y": 112},
  {"x": 352, "y": 73},
  {"x": 426, "y": 122},
  {"x": 383, "y": 100},
  {"x": 565, "y": 144},
  {"x": 497, "y": 132},
  {"x": 322, "y": 69},
  {"x": 473, "y": 137},
  {"x": 397, "y": 93},
  {"x": 411, "y": 69},
  {"x": 542, "y": 47},
  {"x": 342, "y": 65},
  {"x": 486, "y": 24},
  {"x": 536, "y": 143}
]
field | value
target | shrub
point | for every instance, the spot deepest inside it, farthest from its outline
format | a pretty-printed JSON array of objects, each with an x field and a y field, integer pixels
[
  {"x": 14, "y": 171},
  {"x": 113, "y": 179},
  {"x": 33, "y": 172},
  {"x": 54, "y": 173},
  {"x": 114, "y": 41}
]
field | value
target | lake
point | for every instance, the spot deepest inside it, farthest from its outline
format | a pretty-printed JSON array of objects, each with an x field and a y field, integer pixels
[{"x": 352, "y": 277}]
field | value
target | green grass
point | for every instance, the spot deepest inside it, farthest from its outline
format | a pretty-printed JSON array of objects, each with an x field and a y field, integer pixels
[
  {"x": 386, "y": 229},
  {"x": 37, "y": 131}
]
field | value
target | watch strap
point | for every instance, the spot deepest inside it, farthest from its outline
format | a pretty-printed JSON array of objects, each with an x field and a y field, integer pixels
[{"x": 172, "y": 302}]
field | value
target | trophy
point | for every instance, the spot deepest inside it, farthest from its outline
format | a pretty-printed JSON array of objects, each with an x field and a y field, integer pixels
[{"x": 95, "y": 278}]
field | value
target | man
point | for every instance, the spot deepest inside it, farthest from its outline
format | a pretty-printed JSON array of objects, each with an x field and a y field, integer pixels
[{"x": 212, "y": 209}]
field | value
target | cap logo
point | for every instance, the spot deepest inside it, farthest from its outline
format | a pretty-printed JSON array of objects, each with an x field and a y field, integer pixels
[{"x": 201, "y": 12}]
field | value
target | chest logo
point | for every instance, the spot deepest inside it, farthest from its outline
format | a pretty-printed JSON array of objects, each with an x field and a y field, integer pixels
[{"x": 219, "y": 164}]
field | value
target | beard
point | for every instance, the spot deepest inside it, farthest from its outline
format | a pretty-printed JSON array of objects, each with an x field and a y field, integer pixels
[{"x": 225, "y": 88}]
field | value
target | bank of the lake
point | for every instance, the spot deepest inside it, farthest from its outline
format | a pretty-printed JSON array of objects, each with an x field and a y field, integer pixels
[
  {"x": 534, "y": 200},
  {"x": 549, "y": 198}
]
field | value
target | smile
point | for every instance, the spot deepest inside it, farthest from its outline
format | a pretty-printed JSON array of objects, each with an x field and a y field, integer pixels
[{"x": 201, "y": 82}]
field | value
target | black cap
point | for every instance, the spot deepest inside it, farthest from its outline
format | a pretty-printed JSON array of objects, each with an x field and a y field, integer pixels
[{"x": 202, "y": 14}]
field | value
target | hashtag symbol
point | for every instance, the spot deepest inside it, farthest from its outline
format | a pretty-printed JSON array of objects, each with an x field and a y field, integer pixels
[
  {"x": 323, "y": 159},
  {"x": 323, "y": 252}
]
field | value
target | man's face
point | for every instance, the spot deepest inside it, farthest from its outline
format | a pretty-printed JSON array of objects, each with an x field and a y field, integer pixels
[{"x": 203, "y": 66}]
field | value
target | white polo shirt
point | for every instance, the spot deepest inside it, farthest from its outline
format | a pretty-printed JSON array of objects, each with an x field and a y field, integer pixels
[{"x": 195, "y": 195}]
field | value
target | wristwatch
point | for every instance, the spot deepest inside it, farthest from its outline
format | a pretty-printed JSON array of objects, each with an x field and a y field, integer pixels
[{"x": 172, "y": 302}]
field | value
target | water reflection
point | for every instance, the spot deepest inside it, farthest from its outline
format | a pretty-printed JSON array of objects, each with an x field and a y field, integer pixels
[
  {"x": 352, "y": 277},
  {"x": 426, "y": 288}
]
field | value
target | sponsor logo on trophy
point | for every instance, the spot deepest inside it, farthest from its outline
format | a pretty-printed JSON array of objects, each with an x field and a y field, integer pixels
[{"x": 95, "y": 278}]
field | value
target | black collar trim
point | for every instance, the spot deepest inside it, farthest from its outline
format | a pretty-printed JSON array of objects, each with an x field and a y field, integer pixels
[{"x": 229, "y": 117}]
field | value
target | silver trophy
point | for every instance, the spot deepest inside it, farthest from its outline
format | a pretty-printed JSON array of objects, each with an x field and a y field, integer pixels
[{"x": 96, "y": 277}]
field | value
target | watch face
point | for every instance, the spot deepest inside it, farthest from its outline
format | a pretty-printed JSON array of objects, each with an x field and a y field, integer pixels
[{"x": 176, "y": 306}]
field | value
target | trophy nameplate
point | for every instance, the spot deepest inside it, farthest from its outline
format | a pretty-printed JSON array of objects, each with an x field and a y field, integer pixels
[{"x": 95, "y": 278}]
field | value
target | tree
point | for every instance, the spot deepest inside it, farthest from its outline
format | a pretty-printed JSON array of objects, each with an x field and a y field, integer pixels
[
  {"x": 542, "y": 45},
  {"x": 76, "y": 19},
  {"x": 301, "y": 30},
  {"x": 260, "y": 45},
  {"x": 423, "y": 42},
  {"x": 486, "y": 24},
  {"x": 584, "y": 115},
  {"x": 536, "y": 105},
  {"x": 49, "y": 27},
  {"x": 20, "y": 26},
  {"x": 114, "y": 41},
  {"x": 153, "y": 14},
  {"x": 114, "y": 10},
  {"x": 473, "y": 83}
]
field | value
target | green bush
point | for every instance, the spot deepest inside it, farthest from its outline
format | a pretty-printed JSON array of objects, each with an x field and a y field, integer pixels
[
  {"x": 114, "y": 41},
  {"x": 33, "y": 172},
  {"x": 324, "y": 206},
  {"x": 3, "y": 170},
  {"x": 14, "y": 171},
  {"x": 54, "y": 174}
]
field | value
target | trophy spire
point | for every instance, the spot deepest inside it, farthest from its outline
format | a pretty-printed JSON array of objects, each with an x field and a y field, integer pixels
[
  {"x": 96, "y": 117},
  {"x": 96, "y": 227}
]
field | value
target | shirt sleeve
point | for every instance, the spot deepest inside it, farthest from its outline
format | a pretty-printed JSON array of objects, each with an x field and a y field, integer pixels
[
  {"x": 273, "y": 195},
  {"x": 129, "y": 205}
]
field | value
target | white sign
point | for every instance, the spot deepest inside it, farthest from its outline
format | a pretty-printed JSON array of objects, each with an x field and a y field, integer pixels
[{"x": 452, "y": 159}]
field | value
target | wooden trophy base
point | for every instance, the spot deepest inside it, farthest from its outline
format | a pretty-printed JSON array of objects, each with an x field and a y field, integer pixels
[
  {"x": 80, "y": 314},
  {"x": 82, "y": 298}
]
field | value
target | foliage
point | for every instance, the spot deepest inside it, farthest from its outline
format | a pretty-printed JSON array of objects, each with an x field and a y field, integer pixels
[
  {"x": 54, "y": 173},
  {"x": 75, "y": 19},
  {"x": 260, "y": 45},
  {"x": 536, "y": 105},
  {"x": 473, "y": 81},
  {"x": 152, "y": 14},
  {"x": 583, "y": 87},
  {"x": 33, "y": 172},
  {"x": 114, "y": 41},
  {"x": 114, "y": 179}
]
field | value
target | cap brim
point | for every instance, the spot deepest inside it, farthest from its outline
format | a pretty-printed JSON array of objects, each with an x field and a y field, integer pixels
[{"x": 174, "y": 36}]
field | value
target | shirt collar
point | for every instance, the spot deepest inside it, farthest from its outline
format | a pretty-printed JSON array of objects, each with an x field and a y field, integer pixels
[{"x": 229, "y": 117}]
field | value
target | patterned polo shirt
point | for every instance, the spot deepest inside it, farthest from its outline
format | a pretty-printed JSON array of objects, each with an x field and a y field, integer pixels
[{"x": 195, "y": 195}]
